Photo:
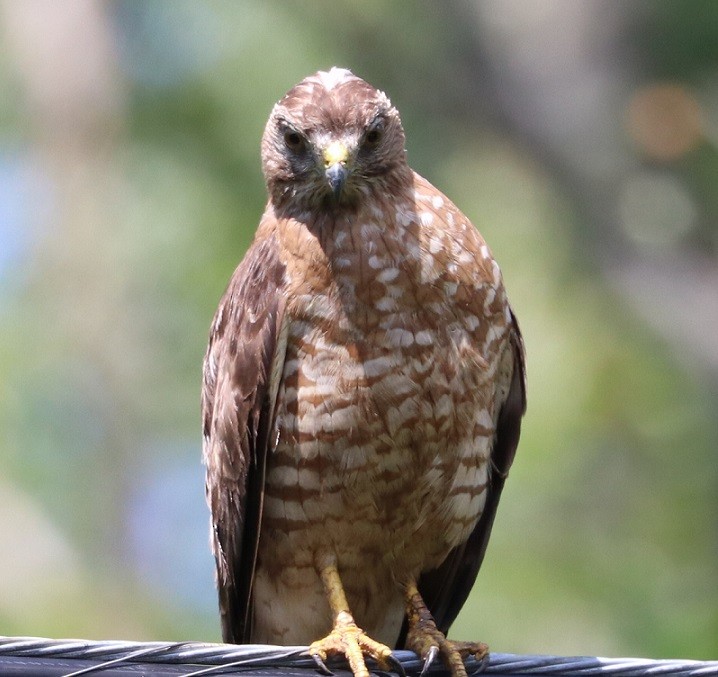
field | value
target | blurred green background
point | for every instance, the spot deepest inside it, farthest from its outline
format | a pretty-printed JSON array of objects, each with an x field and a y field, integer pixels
[{"x": 578, "y": 135}]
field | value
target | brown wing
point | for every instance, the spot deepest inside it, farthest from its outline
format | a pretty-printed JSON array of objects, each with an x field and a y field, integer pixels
[
  {"x": 241, "y": 374},
  {"x": 446, "y": 588}
]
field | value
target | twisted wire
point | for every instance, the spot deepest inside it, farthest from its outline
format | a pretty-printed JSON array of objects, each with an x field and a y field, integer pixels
[{"x": 213, "y": 658}]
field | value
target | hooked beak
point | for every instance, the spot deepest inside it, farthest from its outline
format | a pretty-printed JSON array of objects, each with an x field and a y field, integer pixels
[{"x": 335, "y": 159}]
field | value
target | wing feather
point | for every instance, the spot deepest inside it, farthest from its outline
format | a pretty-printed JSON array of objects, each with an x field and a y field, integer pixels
[{"x": 242, "y": 368}]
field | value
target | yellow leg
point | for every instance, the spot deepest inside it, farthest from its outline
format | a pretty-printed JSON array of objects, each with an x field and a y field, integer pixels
[
  {"x": 346, "y": 637},
  {"x": 425, "y": 639}
]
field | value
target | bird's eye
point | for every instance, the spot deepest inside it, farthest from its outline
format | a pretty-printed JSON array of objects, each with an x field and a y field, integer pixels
[
  {"x": 372, "y": 137},
  {"x": 293, "y": 140}
]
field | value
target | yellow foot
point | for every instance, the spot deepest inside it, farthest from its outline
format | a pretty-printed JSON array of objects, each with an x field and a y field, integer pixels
[
  {"x": 347, "y": 639},
  {"x": 425, "y": 639}
]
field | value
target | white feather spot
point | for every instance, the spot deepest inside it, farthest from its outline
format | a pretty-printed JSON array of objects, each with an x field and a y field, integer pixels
[
  {"x": 493, "y": 333},
  {"x": 460, "y": 506},
  {"x": 424, "y": 338},
  {"x": 444, "y": 406},
  {"x": 385, "y": 304},
  {"x": 465, "y": 257},
  {"x": 290, "y": 367},
  {"x": 471, "y": 322},
  {"x": 378, "y": 366},
  {"x": 388, "y": 275},
  {"x": 309, "y": 479},
  {"x": 483, "y": 419},
  {"x": 435, "y": 245},
  {"x": 282, "y": 475},
  {"x": 369, "y": 230},
  {"x": 355, "y": 457},
  {"x": 330, "y": 79},
  {"x": 405, "y": 216},
  {"x": 429, "y": 270},
  {"x": 397, "y": 416},
  {"x": 340, "y": 419},
  {"x": 450, "y": 288},
  {"x": 496, "y": 272},
  {"x": 401, "y": 338}
]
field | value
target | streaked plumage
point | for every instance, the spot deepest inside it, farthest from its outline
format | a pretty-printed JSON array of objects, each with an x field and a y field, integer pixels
[{"x": 363, "y": 384}]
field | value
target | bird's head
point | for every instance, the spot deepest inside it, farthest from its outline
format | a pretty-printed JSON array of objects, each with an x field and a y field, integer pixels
[{"x": 330, "y": 139}]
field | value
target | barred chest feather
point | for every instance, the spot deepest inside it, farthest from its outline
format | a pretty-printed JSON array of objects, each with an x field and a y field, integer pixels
[{"x": 388, "y": 400}]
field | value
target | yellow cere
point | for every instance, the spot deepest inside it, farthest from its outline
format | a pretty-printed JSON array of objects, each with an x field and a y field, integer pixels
[{"x": 334, "y": 153}]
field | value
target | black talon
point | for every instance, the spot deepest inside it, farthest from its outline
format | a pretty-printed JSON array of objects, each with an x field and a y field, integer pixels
[
  {"x": 395, "y": 663},
  {"x": 481, "y": 665},
  {"x": 321, "y": 665},
  {"x": 431, "y": 655}
]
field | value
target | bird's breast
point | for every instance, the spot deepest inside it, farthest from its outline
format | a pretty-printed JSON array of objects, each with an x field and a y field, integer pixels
[
  {"x": 387, "y": 402},
  {"x": 386, "y": 407},
  {"x": 381, "y": 434}
]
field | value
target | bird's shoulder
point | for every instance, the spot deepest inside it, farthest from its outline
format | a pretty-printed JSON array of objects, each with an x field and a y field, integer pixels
[{"x": 453, "y": 249}]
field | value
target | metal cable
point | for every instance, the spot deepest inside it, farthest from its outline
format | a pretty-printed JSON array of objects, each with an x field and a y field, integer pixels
[{"x": 211, "y": 658}]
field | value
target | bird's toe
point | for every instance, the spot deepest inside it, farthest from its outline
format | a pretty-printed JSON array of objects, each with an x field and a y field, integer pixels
[{"x": 349, "y": 640}]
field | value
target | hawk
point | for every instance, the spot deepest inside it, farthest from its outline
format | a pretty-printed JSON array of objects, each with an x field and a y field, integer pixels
[{"x": 362, "y": 396}]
